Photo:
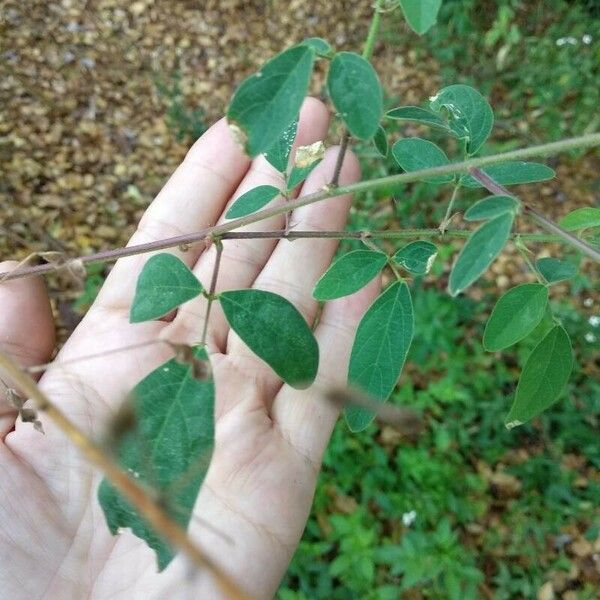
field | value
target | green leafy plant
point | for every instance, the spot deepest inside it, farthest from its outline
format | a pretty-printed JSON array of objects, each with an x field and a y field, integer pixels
[{"x": 173, "y": 407}]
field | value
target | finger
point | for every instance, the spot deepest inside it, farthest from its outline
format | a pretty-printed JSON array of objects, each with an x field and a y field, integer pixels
[
  {"x": 192, "y": 199},
  {"x": 242, "y": 260},
  {"x": 26, "y": 330},
  {"x": 306, "y": 418},
  {"x": 294, "y": 267}
]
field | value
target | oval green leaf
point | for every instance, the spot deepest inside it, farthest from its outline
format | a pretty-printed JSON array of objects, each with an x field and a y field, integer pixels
[
  {"x": 356, "y": 93},
  {"x": 380, "y": 347},
  {"x": 164, "y": 283},
  {"x": 416, "y": 257},
  {"x": 491, "y": 207},
  {"x": 416, "y": 114},
  {"x": 544, "y": 376},
  {"x": 581, "y": 218},
  {"x": 516, "y": 314},
  {"x": 420, "y": 15},
  {"x": 168, "y": 448},
  {"x": 554, "y": 270},
  {"x": 469, "y": 114},
  {"x": 279, "y": 153},
  {"x": 479, "y": 252},
  {"x": 381, "y": 142},
  {"x": 267, "y": 102},
  {"x": 348, "y": 274},
  {"x": 414, "y": 154},
  {"x": 252, "y": 201},
  {"x": 512, "y": 172},
  {"x": 275, "y": 331},
  {"x": 319, "y": 45}
]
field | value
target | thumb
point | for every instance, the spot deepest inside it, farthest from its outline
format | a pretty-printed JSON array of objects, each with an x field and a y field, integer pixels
[{"x": 26, "y": 330}]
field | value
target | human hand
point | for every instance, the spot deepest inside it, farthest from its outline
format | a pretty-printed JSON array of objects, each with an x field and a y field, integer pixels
[{"x": 269, "y": 438}]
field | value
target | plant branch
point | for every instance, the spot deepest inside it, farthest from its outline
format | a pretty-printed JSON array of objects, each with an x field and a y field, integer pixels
[
  {"x": 213, "y": 287},
  {"x": 494, "y": 187},
  {"x": 340, "y": 159},
  {"x": 447, "y": 217},
  {"x": 366, "y": 54},
  {"x": 584, "y": 141},
  {"x": 377, "y": 234},
  {"x": 139, "y": 497},
  {"x": 551, "y": 226}
]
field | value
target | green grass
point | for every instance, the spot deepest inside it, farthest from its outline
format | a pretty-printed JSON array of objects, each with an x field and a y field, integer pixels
[
  {"x": 464, "y": 393},
  {"x": 463, "y": 535}
]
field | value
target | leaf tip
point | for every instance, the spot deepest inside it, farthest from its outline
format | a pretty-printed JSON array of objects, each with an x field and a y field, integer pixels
[{"x": 453, "y": 292}]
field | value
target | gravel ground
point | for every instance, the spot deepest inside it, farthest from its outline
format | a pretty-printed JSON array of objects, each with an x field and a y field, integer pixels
[{"x": 84, "y": 142}]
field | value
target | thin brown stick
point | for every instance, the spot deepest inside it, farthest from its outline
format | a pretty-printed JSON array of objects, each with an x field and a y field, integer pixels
[
  {"x": 550, "y": 225},
  {"x": 405, "y": 420},
  {"x": 377, "y": 234},
  {"x": 65, "y": 363},
  {"x": 139, "y": 497},
  {"x": 583, "y": 141},
  {"x": 493, "y": 186},
  {"x": 291, "y": 235},
  {"x": 340, "y": 159},
  {"x": 213, "y": 287}
]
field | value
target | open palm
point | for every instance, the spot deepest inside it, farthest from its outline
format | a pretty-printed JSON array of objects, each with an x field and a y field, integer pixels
[{"x": 54, "y": 542}]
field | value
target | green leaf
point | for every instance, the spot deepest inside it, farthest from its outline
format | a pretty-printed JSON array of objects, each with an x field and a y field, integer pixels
[
  {"x": 416, "y": 114},
  {"x": 581, "y": 218},
  {"x": 554, "y": 270},
  {"x": 381, "y": 142},
  {"x": 279, "y": 153},
  {"x": 356, "y": 93},
  {"x": 275, "y": 331},
  {"x": 168, "y": 448},
  {"x": 299, "y": 174},
  {"x": 420, "y": 15},
  {"x": 348, "y": 274},
  {"x": 252, "y": 201},
  {"x": 470, "y": 116},
  {"x": 320, "y": 46},
  {"x": 380, "y": 347},
  {"x": 512, "y": 172},
  {"x": 491, "y": 207},
  {"x": 479, "y": 252},
  {"x": 416, "y": 257},
  {"x": 544, "y": 376},
  {"x": 164, "y": 283},
  {"x": 593, "y": 237},
  {"x": 516, "y": 314},
  {"x": 414, "y": 154},
  {"x": 267, "y": 102}
]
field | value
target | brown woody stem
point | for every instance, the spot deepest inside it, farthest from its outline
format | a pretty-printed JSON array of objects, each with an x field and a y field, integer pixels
[
  {"x": 340, "y": 159},
  {"x": 466, "y": 166},
  {"x": 549, "y": 225},
  {"x": 132, "y": 490}
]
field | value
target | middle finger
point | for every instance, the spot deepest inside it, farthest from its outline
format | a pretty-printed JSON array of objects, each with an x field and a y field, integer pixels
[{"x": 242, "y": 260}]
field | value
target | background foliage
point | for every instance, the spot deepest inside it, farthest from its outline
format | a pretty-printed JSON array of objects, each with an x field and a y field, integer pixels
[{"x": 469, "y": 509}]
